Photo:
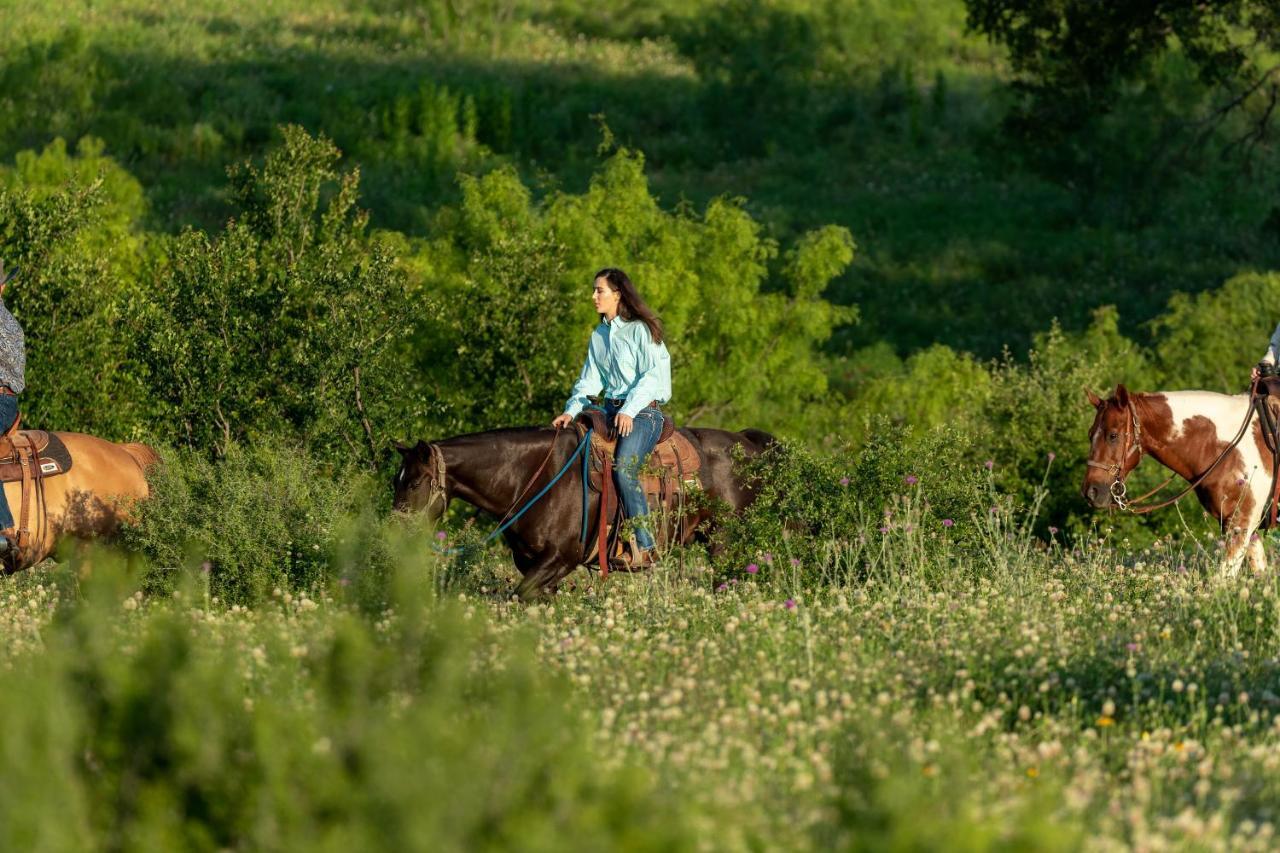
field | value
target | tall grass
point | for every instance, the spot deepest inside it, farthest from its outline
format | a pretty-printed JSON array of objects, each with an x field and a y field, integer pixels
[{"x": 909, "y": 692}]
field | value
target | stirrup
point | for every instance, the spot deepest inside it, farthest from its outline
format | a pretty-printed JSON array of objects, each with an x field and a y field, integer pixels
[{"x": 633, "y": 558}]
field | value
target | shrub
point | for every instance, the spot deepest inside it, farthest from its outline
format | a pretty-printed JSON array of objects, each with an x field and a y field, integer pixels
[
  {"x": 810, "y": 508},
  {"x": 263, "y": 516}
]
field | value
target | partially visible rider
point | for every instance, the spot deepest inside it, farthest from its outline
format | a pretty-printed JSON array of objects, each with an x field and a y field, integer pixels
[
  {"x": 13, "y": 365},
  {"x": 1266, "y": 366}
]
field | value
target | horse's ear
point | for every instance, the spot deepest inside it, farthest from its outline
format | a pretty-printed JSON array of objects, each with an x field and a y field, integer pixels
[
  {"x": 402, "y": 448},
  {"x": 1094, "y": 399},
  {"x": 1122, "y": 396}
]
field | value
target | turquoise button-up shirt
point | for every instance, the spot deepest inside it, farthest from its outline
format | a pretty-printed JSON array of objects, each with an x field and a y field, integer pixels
[{"x": 624, "y": 363}]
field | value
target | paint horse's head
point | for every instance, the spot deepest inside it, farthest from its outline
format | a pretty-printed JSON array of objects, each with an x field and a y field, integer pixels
[
  {"x": 1115, "y": 448},
  {"x": 420, "y": 485}
]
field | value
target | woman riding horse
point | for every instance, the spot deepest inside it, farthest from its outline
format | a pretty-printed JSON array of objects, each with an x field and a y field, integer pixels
[{"x": 627, "y": 360}]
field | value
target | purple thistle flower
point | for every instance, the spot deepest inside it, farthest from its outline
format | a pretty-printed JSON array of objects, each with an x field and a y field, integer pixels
[
  {"x": 441, "y": 535},
  {"x": 795, "y": 562},
  {"x": 722, "y": 587},
  {"x": 1053, "y": 531},
  {"x": 752, "y": 568},
  {"x": 844, "y": 481},
  {"x": 790, "y": 604},
  {"x": 946, "y": 522},
  {"x": 1052, "y": 456},
  {"x": 989, "y": 464},
  {"x": 911, "y": 479},
  {"x": 768, "y": 558},
  {"x": 884, "y": 529},
  {"x": 1132, "y": 647}
]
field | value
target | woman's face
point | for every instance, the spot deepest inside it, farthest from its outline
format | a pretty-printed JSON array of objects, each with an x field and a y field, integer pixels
[{"x": 605, "y": 298}]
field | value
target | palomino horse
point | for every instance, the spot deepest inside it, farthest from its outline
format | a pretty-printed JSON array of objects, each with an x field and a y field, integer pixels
[
  {"x": 1191, "y": 434},
  {"x": 490, "y": 470},
  {"x": 89, "y": 500}
]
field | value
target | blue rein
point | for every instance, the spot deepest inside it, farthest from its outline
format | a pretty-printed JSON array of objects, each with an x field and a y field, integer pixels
[{"x": 586, "y": 458}]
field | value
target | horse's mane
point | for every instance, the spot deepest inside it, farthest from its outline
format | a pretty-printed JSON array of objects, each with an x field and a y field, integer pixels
[{"x": 501, "y": 432}]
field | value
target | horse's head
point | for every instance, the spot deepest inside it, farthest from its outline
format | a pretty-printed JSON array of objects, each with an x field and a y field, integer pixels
[
  {"x": 419, "y": 485},
  {"x": 1115, "y": 448}
]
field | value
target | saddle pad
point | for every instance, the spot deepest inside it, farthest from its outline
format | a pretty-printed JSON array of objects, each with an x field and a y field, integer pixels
[{"x": 54, "y": 458}]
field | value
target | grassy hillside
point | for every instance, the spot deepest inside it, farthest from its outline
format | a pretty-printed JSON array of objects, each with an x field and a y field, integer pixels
[{"x": 883, "y": 117}]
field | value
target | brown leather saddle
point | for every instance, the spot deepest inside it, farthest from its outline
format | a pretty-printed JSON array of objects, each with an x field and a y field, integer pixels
[
  {"x": 29, "y": 457},
  {"x": 49, "y": 454},
  {"x": 673, "y": 467}
]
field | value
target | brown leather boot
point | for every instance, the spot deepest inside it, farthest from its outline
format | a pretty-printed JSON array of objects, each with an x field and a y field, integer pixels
[{"x": 635, "y": 559}]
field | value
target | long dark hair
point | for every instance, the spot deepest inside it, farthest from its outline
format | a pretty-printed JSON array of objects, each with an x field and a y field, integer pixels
[{"x": 630, "y": 305}]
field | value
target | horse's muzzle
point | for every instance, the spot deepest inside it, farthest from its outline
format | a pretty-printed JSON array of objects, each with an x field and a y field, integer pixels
[{"x": 1097, "y": 494}]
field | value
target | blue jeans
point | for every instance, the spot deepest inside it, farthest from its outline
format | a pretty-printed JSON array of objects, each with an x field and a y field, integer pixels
[
  {"x": 630, "y": 457},
  {"x": 8, "y": 414}
]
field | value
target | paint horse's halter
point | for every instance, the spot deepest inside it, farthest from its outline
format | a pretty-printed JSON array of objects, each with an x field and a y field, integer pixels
[
  {"x": 1119, "y": 492},
  {"x": 1135, "y": 506}
]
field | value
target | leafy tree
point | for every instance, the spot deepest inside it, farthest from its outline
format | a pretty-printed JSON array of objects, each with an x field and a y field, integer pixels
[
  {"x": 289, "y": 321},
  {"x": 1076, "y": 60},
  {"x": 71, "y": 223},
  {"x": 1211, "y": 339},
  {"x": 509, "y": 299}
]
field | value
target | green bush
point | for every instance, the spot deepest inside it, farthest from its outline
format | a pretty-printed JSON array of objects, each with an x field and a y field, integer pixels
[
  {"x": 72, "y": 224},
  {"x": 925, "y": 488},
  {"x": 290, "y": 322},
  {"x": 265, "y": 515},
  {"x": 304, "y": 728}
]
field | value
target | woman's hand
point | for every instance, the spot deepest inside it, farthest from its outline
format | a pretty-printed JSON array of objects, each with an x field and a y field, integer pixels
[
  {"x": 624, "y": 423},
  {"x": 562, "y": 421}
]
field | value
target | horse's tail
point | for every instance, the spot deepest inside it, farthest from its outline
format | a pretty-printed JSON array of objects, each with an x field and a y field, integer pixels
[
  {"x": 760, "y": 438},
  {"x": 142, "y": 454}
]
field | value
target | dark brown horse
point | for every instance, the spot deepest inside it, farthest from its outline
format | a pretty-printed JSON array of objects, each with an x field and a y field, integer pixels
[{"x": 491, "y": 470}]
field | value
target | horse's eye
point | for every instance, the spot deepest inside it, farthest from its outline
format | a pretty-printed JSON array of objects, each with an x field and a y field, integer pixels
[{"x": 1112, "y": 438}]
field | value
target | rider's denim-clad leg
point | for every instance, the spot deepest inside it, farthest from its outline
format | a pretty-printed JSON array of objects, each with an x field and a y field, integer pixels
[
  {"x": 8, "y": 414},
  {"x": 629, "y": 458}
]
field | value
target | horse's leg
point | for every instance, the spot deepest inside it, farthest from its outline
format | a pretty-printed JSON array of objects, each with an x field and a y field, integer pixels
[
  {"x": 1237, "y": 547},
  {"x": 542, "y": 573},
  {"x": 1257, "y": 556}
]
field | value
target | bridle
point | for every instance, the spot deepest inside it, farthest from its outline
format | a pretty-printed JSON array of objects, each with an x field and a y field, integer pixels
[
  {"x": 1119, "y": 492},
  {"x": 438, "y": 490},
  {"x": 435, "y": 477}
]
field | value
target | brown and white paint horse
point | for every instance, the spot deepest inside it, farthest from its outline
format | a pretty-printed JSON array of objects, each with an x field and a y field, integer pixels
[{"x": 1186, "y": 431}]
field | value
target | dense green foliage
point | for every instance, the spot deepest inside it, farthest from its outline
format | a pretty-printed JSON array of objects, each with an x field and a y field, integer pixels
[
  {"x": 404, "y": 247},
  {"x": 1182, "y": 68},
  {"x": 300, "y": 725}
]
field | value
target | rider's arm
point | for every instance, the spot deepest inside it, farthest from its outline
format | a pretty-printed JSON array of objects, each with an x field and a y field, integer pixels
[
  {"x": 653, "y": 366},
  {"x": 590, "y": 381}
]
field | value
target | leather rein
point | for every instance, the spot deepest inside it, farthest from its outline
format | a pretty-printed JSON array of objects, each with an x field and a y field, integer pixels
[
  {"x": 1118, "y": 489},
  {"x": 438, "y": 491}
]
